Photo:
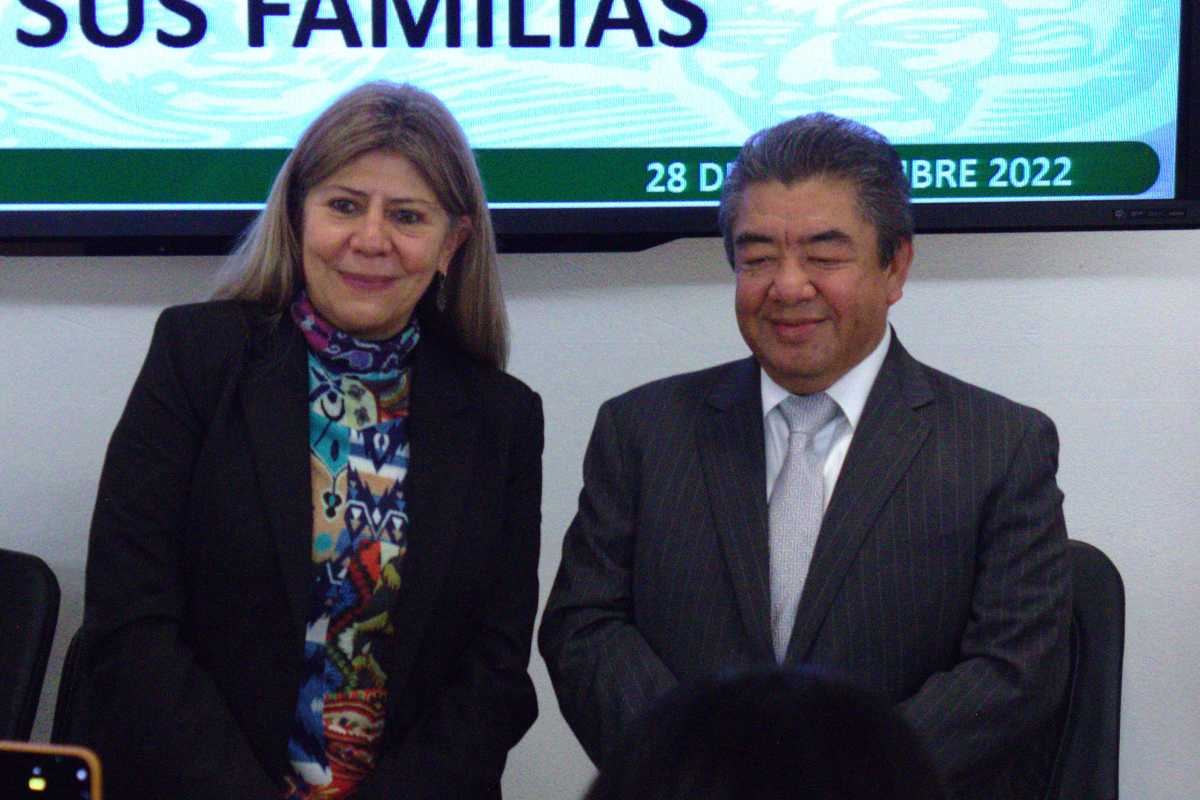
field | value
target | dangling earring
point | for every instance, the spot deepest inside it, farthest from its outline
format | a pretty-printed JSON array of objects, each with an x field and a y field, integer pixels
[{"x": 439, "y": 296}]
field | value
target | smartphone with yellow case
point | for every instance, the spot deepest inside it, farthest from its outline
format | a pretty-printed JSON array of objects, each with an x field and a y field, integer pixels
[{"x": 36, "y": 771}]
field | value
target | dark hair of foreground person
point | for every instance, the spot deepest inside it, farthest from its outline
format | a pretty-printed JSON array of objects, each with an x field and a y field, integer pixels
[{"x": 764, "y": 735}]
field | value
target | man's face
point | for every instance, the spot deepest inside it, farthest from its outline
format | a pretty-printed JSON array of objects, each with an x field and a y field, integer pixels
[{"x": 812, "y": 297}]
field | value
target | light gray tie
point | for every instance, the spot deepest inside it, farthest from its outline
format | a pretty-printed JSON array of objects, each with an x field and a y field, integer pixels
[{"x": 796, "y": 507}]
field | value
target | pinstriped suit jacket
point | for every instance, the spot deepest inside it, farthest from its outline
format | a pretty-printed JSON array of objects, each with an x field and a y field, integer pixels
[{"x": 939, "y": 577}]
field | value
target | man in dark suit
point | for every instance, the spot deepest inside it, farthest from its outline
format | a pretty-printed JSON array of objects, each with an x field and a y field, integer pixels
[{"x": 908, "y": 536}]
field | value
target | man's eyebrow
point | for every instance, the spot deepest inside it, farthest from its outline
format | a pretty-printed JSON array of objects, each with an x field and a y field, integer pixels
[
  {"x": 832, "y": 235},
  {"x": 751, "y": 237}
]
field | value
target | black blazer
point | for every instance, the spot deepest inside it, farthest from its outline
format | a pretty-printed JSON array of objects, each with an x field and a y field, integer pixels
[
  {"x": 939, "y": 578},
  {"x": 199, "y": 569}
]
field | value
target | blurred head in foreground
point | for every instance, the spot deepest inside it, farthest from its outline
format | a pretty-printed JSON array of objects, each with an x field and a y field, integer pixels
[{"x": 764, "y": 735}]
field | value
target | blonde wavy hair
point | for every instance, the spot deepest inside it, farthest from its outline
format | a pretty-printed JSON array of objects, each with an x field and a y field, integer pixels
[{"x": 395, "y": 118}]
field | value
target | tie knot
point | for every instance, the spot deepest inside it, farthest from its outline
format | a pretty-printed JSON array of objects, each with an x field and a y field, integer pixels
[{"x": 806, "y": 413}]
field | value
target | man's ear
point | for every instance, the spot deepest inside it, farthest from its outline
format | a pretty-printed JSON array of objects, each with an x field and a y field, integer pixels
[{"x": 897, "y": 270}]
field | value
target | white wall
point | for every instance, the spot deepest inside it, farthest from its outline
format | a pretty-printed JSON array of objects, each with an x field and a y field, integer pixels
[{"x": 1096, "y": 329}]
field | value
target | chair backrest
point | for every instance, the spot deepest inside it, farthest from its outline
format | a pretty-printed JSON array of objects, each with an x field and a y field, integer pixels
[
  {"x": 1085, "y": 767},
  {"x": 28, "y": 617}
]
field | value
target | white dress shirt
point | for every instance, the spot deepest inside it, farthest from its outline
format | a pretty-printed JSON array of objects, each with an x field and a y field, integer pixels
[{"x": 833, "y": 440}]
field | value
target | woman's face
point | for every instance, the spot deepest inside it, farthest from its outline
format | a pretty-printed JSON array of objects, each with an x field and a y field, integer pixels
[{"x": 372, "y": 237}]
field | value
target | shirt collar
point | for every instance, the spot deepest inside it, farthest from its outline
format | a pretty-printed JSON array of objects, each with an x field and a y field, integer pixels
[{"x": 849, "y": 391}]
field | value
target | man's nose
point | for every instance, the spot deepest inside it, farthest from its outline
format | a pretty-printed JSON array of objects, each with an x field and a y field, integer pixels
[{"x": 793, "y": 280}]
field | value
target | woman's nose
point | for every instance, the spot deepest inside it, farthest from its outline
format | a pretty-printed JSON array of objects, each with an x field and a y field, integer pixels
[{"x": 371, "y": 235}]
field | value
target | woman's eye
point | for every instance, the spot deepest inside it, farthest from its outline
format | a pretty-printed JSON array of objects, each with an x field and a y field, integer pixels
[
  {"x": 405, "y": 216},
  {"x": 343, "y": 205}
]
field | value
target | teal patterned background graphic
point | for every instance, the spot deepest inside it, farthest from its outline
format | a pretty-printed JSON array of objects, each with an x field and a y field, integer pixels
[{"x": 933, "y": 73}]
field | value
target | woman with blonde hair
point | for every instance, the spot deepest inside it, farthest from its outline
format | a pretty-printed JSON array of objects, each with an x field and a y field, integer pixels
[{"x": 313, "y": 561}]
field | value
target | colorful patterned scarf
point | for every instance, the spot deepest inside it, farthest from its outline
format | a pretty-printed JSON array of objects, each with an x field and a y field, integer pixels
[{"x": 358, "y": 453}]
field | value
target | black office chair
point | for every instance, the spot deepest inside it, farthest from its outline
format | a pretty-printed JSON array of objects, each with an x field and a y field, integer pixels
[
  {"x": 66, "y": 705},
  {"x": 28, "y": 617},
  {"x": 1085, "y": 767}
]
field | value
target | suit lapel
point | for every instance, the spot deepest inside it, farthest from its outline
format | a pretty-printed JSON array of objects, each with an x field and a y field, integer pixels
[
  {"x": 890, "y": 432},
  {"x": 730, "y": 443},
  {"x": 275, "y": 402},
  {"x": 443, "y": 440}
]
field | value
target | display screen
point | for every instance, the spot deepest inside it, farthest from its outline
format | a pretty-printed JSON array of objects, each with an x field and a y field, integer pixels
[{"x": 587, "y": 116}]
